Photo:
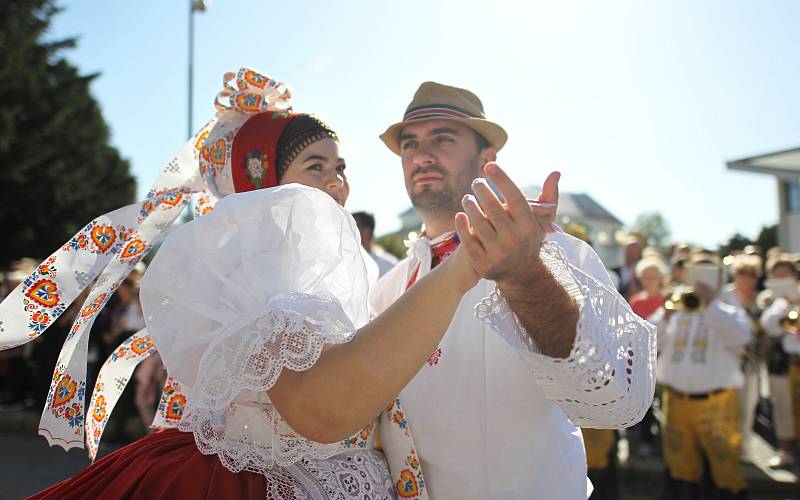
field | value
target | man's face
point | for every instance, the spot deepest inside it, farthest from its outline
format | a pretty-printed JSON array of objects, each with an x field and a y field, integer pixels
[{"x": 440, "y": 160}]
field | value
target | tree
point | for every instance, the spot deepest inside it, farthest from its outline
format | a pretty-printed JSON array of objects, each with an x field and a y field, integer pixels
[
  {"x": 767, "y": 237},
  {"x": 57, "y": 169},
  {"x": 654, "y": 228}
]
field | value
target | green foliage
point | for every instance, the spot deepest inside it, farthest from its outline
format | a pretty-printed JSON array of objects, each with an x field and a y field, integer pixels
[
  {"x": 57, "y": 169},
  {"x": 654, "y": 228},
  {"x": 767, "y": 238},
  {"x": 393, "y": 244}
]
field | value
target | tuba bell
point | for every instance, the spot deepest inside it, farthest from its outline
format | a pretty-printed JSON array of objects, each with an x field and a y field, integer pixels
[{"x": 685, "y": 299}]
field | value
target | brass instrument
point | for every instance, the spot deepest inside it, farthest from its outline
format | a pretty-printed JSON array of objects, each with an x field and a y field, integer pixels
[
  {"x": 684, "y": 299},
  {"x": 791, "y": 321}
]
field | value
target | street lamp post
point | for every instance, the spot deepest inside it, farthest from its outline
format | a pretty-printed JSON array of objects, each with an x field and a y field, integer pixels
[{"x": 194, "y": 6}]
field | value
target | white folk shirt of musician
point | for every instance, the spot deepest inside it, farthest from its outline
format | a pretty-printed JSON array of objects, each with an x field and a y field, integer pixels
[
  {"x": 771, "y": 323},
  {"x": 699, "y": 352},
  {"x": 491, "y": 417}
]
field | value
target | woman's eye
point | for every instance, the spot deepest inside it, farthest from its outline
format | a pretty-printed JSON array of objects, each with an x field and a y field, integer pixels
[
  {"x": 315, "y": 167},
  {"x": 341, "y": 168}
]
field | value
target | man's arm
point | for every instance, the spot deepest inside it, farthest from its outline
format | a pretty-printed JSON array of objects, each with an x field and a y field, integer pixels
[
  {"x": 505, "y": 242},
  {"x": 545, "y": 309}
]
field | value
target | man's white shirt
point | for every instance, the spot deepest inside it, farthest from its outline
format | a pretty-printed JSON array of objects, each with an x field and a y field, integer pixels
[{"x": 493, "y": 418}]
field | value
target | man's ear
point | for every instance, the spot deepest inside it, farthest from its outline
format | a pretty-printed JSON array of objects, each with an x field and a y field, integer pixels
[{"x": 488, "y": 154}]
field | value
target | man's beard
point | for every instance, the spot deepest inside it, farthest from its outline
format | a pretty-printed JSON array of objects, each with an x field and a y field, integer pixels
[{"x": 445, "y": 201}]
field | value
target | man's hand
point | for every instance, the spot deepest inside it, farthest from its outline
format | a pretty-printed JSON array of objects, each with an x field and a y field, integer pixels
[{"x": 503, "y": 239}]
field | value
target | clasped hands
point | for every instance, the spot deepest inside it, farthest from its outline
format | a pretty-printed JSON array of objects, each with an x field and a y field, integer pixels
[{"x": 503, "y": 238}]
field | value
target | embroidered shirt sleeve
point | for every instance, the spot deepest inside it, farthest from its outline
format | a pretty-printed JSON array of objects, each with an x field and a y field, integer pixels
[{"x": 609, "y": 377}]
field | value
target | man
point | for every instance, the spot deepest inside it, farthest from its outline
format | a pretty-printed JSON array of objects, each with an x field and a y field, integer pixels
[
  {"x": 628, "y": 282},
  {"x": 699, "y": 369},
  {"x": 784, "y": 355},
  {"x": 549, "y": 346},
  {"x": 366, "y": 227}
]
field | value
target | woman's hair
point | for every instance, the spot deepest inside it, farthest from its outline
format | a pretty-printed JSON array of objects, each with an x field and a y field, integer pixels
[
  {"x": 743, "y": 262},
  {"x": 301, "y": 132},
  {"x": 780, "y": 260},
  {"x": 651, "y": 262}
]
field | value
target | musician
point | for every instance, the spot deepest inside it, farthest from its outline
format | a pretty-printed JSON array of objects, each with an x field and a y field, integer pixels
[
  {"x": 783, "y": 356},
  {"x": 699, "y": 369}
]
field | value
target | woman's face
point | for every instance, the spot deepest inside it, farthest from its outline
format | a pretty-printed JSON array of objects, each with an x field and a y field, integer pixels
[
  {"x": 745, "y": 279},
  {"x": 320, "y": 166},
  {"x": 651, "y": 280}
]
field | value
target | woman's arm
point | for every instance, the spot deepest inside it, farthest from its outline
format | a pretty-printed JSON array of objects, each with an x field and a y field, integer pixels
[{"x": 351, "y": 383}]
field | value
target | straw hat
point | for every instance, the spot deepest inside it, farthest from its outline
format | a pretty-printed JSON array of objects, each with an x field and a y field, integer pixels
[{"x": 434, "y": 101}]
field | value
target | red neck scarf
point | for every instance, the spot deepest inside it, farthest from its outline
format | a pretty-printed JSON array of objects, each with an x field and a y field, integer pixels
[{"x": 440, "y": 251}]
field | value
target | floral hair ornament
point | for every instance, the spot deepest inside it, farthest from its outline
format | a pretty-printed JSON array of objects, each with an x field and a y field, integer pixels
[{"x": 106, "y": 250}]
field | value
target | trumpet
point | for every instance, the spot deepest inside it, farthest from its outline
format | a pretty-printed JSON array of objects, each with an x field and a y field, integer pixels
[
  {"x": 791, "y": 321},
  {"x": 685, "y": 299}
]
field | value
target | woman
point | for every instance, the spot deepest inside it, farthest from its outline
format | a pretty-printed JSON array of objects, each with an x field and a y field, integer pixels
[
  {"x": 742, "y": 292},
  {"x": 651, "y": 272},
  {"x": 261, "y": 308}
]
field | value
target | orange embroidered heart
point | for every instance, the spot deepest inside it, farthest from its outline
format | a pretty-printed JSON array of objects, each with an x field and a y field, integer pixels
[
  {"x": 132, "y": 249},
  {"x": 216, "y": 153},
  {"x": 407, "y": 485},
  {"x": 172, "y": 199},
  {"x": 175, "y": 407},
  {"x": 93, "y": 306},
  {"x": 142, "y": 345},
  {"x": 44, "y": 292},
  {"x": 249, "y": 102},
  {"x": 65, "y": 390},
  {"x": 99, "y": 411},
  {"x": 103, "y": 237},
  {"x": 255, "y": 79}
]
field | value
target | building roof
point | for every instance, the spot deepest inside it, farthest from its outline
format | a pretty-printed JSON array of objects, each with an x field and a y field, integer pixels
[
  {"x": 784, "y": 164},
  {"x": 573, "y": 205}
]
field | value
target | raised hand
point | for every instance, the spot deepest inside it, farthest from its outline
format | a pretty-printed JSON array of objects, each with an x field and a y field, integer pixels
[{"x": 503, "y": 238}]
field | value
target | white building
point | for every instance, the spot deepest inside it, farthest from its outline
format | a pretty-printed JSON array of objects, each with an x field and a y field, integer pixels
[{"x": 785, "y": 166}]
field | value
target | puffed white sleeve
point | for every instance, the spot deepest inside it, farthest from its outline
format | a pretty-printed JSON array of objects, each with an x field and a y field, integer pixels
[
  {"x": 608, "y": 379},
  {"x": 771, "y": 317},
  {"x": 261, "y": 284}
]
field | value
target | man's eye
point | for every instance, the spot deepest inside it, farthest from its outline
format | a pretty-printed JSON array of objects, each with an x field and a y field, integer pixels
[
  {"x": 408, "y": 145},
  {"x": 443, "y": 138}
]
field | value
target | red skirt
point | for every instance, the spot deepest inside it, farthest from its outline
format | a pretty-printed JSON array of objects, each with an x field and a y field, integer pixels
[{"x": 166, "y": 464}]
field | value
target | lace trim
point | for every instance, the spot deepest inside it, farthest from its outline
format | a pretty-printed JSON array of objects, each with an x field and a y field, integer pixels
[
  {"x": 612, "y": 362},
  {"x": 229, "y": 412}
]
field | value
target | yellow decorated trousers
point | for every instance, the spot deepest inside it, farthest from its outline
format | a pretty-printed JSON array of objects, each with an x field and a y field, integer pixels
[
  {"x": 697, "y": 426},
  {"x": 598, "y": 443},
  {"x": 794, "y": 388}
]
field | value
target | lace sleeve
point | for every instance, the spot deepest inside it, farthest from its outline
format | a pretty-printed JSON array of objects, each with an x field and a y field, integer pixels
[
  {"x": 609, "y": 377},
  {"x": 228, "y": 410}
]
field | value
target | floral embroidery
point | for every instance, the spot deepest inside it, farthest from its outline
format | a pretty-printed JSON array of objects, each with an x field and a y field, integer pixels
[
  {"x": 42, "y": 298},
  {"x": 95, "y": 305},
  {"x": 164, "y": 199},
  {"x": 103, "y": 237},
  {"x": 133, "y": 250},
  {"x": 411, "y": 483},
  {"x": 172, "y": 401},
  {"x": 62, "y": 393},
  {"x": 256, "y": 164},
  {"x": 434, "y": 359},
  {"x": 359, "y": 440},
  {"x": 255, "y": 79}
]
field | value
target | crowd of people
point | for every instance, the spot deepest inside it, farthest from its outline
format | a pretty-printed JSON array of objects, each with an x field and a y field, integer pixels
[{"x": 729, "y": 350}]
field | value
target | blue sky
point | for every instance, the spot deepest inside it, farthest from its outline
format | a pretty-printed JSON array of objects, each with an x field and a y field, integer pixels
[{"x": 638, "y": 104}]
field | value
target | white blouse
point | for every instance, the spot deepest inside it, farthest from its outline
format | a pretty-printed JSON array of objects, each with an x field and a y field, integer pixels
[{"x": 262, "y": 284}]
